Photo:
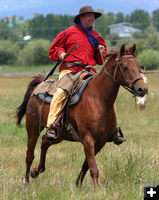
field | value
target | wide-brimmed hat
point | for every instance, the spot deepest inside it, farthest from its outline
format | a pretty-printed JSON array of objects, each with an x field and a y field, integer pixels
[{"x": 84, "y": 10}]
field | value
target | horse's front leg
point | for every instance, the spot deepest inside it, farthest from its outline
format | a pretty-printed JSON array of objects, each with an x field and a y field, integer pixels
[
  {"x": 84, "y": 169},
  {"x": 88, "y": 144}
]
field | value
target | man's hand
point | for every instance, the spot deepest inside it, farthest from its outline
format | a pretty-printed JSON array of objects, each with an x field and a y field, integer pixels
[
  {"x": 62, "y": 56},
  {"x": 101, "y": 48}
]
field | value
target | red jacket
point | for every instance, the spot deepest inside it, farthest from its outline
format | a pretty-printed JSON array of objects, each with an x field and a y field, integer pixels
[{"x": 85, "y": 53}]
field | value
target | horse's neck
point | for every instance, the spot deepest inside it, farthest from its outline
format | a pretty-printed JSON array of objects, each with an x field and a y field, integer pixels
[{"x": 107, "y": 88}]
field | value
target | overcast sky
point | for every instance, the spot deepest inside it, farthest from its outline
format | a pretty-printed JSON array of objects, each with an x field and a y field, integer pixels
[{"x": 27, "y": 8}]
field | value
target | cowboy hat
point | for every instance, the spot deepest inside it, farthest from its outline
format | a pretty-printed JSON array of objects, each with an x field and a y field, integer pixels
[{"x": 84, "y": 10}]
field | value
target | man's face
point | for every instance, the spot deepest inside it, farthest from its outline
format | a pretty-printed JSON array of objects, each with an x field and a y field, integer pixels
[{"x": 87, "y": 20}]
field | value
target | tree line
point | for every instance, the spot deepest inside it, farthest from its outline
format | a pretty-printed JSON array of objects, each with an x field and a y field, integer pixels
[{"x": 45, "y": 28}]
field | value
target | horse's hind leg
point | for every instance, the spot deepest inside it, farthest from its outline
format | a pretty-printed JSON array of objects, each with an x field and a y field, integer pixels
[
  {"x": 82, "y": 173},
  {"x": 33, "y": 134},
  {"x": 45, "y": 144}
]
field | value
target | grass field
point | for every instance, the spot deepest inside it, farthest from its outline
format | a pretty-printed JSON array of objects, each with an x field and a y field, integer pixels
[
  {"x": 30, "y": 69},
  {"x": 25, "y": 69},
  {"x": 124, "y": 169}
]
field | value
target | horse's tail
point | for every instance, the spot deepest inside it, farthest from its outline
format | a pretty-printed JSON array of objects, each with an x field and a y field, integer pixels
[{"x": 21, "y": 110}]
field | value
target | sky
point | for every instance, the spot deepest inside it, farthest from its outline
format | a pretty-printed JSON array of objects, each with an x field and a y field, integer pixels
[{"x": 28, "y": 8}]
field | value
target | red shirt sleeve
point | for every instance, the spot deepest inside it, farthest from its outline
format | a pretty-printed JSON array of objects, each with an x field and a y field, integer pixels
[{"x": 58, "y": 46}]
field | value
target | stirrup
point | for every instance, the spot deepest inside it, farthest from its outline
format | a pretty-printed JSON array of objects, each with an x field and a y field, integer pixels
[{"x": 52, "y": 132}]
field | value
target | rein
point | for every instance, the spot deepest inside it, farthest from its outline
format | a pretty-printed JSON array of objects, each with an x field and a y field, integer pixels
[{"x": 118, "y": 65}]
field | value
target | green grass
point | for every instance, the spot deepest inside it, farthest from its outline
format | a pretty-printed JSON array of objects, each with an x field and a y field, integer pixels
[
  {"x": 25, "y": 69},
  {"x": 30, "y": 69},
  {"x": 124, "y": 169}
]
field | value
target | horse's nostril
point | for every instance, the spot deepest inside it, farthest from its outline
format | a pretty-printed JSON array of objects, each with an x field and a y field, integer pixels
[{"x": 140, "y": 90}]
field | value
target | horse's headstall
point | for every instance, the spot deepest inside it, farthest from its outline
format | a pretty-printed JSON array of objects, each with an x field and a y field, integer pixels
[{"x": 119, "y": 58}]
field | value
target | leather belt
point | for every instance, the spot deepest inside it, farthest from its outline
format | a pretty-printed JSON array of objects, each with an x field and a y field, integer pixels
[{"x": 73, "y": 64}]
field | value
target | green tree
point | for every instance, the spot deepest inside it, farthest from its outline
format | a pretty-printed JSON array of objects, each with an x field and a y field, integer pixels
[
  {"x": 35, "y": 53},
  {"x": 114, "y": 38},
  {"x": 36, "y": 26},
  {"x": 101, "y": 24},
  {"x": 48, "y": 27},
  {"x": 8, "y": 52},
  {"x": 140, "y": 45},
  {"x": 152, "y": 41},
  {"x": 119, "y": 17},
  {"x": 110, "y": 18},
  {"x": 66, "y": 20},
  {"x": 127, "y": 41},
  {"x": 51, "y": 26},
  {"x": 127, "y": 18},
  {"x": 149, "y": 58},
  {"x": 155, "y": 18},
  {"x": 104, "y": 22},
  {"x": 7, "y": 33},
  {"x": 58, "y": 23},
  {"x": 140, "y": 35},
  {"x": 4, "y": 31},
  {"x": 140, "y": 19},
  {"x": 23, "y": 28}
]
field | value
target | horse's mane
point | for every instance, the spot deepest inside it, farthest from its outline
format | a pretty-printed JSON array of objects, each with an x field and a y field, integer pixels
[
  {"x": 112, "y": 54},
  {"x": 115, "y": 53}
]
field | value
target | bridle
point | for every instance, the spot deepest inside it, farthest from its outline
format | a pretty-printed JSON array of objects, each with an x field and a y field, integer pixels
[{"x": 130, "y": 83}]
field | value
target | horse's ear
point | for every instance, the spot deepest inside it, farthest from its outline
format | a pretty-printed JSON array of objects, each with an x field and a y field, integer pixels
[
  {"x": 132, "y": 50},
  {"x": 122, "y": 50}
]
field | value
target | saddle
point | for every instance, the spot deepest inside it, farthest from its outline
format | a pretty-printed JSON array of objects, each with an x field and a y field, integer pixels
[
  {"x": 46, "y": 90},
  {"x": 75, "y": 98}
]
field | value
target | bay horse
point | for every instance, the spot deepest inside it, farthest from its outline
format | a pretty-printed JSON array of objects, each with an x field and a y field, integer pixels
[{"x": 93, "y": 118}]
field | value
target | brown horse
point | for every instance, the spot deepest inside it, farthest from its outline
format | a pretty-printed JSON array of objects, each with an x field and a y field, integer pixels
[{"x": 93, "y": 118}]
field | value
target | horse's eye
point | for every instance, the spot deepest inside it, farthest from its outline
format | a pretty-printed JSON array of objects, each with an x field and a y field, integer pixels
[{"x": 125, "y": 68}]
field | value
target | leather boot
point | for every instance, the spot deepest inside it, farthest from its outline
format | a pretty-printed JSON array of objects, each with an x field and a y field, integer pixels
[
  {"x": 117, "y": 137},
  {"x": 52, "y": 132}
]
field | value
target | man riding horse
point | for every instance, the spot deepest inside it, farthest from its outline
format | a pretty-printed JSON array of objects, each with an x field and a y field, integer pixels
[{"x": 92, "y": 50}]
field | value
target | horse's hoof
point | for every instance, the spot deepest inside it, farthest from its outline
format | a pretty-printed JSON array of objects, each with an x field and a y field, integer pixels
[
  {"x": 78, "y": 183},
  {"x": 33, "y": 174}
]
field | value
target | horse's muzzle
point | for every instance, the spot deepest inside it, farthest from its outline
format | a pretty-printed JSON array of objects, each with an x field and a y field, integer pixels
[{"x": 141, "y": 91}]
